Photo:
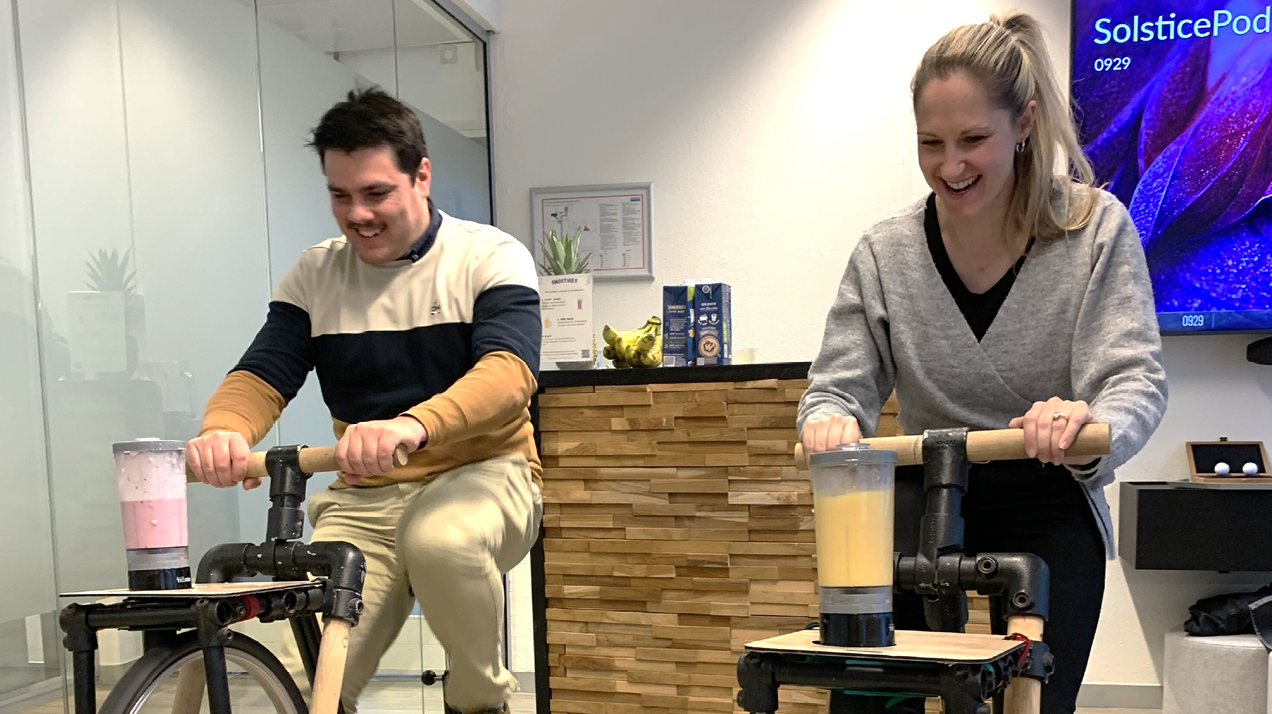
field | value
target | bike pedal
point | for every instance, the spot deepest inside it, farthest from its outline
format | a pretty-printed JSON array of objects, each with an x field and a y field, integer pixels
[{"x": 429, "y": 677}]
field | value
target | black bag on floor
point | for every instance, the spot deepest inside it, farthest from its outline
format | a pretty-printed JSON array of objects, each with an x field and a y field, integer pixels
[{"x": 1225, "y": 614}]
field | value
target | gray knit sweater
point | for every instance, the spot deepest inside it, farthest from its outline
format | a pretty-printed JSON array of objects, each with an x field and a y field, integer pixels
[{"x": 1079, "y": 323}]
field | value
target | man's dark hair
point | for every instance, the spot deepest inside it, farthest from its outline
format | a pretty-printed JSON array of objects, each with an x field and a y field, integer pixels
[{"x": 368, "y": 119}]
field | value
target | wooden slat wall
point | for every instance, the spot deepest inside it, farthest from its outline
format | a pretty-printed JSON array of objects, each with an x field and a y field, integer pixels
[{"x": 677, "y": 529}]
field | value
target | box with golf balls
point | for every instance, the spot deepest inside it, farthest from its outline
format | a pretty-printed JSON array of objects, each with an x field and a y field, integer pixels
[{"x": 1224, "y": 460}]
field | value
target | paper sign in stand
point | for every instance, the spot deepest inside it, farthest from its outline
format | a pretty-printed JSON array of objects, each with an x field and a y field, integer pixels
[{"x": 566, "y": 309}]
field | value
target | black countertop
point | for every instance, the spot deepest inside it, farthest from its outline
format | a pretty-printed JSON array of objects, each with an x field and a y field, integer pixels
[{"x": 673, "y": 375}]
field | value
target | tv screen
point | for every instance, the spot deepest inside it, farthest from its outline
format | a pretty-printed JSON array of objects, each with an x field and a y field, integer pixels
[{"x": 1174, "y": 106}]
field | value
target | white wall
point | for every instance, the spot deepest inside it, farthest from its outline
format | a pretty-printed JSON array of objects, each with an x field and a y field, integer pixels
[{"x": 774, "y": 133}]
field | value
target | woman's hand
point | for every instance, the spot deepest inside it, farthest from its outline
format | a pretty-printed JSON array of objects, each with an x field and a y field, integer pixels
[
  {"x": 1050, "y": 427},
  {"x": 825, "y": 433}
]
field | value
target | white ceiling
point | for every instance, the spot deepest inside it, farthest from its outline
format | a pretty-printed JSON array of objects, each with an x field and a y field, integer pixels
[{"x": 355, "y": 25}]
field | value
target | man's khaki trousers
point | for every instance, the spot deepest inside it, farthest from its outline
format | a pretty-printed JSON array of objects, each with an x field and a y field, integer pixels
[{"x": 448, "y": 541}]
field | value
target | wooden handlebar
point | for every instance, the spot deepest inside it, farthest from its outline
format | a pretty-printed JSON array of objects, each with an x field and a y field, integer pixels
[
  {"x": 313, "y": 459},
  {"x": 990, "y": 445}
]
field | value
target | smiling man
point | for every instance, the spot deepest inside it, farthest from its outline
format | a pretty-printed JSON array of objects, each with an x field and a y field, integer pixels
[{"x": 424, "y": 332}]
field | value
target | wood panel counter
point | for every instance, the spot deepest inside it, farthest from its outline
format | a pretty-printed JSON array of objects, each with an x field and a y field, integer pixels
[{"x": 676, "y": 529}]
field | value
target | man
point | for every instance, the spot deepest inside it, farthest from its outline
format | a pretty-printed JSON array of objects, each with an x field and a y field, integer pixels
[{"x": 424, "y": 332}]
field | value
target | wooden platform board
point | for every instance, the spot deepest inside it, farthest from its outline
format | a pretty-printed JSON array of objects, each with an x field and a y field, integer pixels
[
  {"x": 912, "y": 646},
  {"x": 198, "y": 591}
]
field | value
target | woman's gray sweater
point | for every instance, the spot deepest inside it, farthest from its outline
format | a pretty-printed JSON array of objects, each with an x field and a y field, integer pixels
[{"x": 1078, "y": 323}]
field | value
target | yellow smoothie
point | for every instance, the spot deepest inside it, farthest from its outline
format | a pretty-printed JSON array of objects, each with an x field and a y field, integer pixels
[{"x": 854, "y": 539}]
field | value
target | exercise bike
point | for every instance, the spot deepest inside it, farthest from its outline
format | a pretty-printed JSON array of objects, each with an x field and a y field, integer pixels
[
  {"x": 965, "y": 671},
  {"x": 182, "y": 627}
]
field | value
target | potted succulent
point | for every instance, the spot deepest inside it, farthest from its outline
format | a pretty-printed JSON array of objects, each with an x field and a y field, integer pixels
[
  {"x": 561, "y": 254},
  {"x": 110, "y": 273}
]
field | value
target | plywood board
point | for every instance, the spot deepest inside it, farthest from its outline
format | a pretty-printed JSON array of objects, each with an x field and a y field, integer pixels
[
  {"x": 911, "y": 646},
  {"x": 198, "y": 591}
]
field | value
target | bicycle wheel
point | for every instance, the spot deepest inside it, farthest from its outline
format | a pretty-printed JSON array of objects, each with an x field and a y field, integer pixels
[{"x": 150, "y": 685}]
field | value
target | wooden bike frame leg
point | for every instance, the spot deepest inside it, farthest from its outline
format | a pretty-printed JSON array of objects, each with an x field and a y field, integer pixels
[
  {"x": 1024, "y": 694},
  {"x": 190, "y": 684},
  {"x": 331, "y": 665}
]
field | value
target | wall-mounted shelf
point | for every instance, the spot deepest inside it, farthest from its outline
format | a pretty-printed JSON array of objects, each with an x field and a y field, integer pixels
[{"x": 1179, "y": 525}]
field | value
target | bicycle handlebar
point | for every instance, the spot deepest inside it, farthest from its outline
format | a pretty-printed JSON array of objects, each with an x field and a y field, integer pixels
[
  {"x": 313, "y": 459},
  {"x": 988, "y": 445}
]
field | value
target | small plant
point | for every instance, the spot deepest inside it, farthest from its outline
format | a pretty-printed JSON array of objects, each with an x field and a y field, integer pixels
[
  {"x": 561, "y": 254},
  {"x": 110, "y": 271}
]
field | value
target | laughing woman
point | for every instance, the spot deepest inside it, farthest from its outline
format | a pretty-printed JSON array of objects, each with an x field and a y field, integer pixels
[{"x": 1010, "y": 296}]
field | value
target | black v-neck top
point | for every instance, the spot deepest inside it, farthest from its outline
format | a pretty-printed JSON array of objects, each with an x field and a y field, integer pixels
[{"x": 979, "y": 309}]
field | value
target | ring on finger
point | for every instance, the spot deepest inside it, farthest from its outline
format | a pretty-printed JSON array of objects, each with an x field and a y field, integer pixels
[{"x": 1057, "y": 415}]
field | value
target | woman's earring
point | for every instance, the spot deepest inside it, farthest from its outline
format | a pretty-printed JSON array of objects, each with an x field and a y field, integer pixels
[{"x": 1021, "y": 146}]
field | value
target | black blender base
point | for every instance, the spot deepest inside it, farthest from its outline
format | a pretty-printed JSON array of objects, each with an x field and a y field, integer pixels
[
  {"x": 864, "y": 630},
  {"x": 162, "y": 579}
]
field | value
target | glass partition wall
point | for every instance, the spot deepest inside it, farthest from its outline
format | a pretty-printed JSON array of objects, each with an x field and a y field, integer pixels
[{"x": 154, "y": 184}]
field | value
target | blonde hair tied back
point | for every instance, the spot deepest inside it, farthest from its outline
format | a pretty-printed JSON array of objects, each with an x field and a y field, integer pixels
[{"x": 1008, "y": 56}]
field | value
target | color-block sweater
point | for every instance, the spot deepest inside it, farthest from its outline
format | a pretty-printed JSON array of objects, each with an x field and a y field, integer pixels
[{"x": 449, "y": 334}]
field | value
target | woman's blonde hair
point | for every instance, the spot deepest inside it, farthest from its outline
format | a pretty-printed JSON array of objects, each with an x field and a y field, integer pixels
[{"x": 1008, "y": 56}]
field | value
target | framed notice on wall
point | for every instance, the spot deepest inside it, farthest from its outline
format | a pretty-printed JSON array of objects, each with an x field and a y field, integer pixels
[{"x": 612, "y": 223}]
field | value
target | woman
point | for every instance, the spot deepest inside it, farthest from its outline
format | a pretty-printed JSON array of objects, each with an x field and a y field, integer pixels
[{"x": 1008, "y": 297}]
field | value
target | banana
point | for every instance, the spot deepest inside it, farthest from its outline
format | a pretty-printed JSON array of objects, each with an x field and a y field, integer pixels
[
  {"x": 615, "y": 341},
  {"x": 645, "y": 342},
  {"x": 640, "y": 347},
  {"x": 648, "y": 348},
  {"x": 653, "y": 356},
  {"x": 629, "y": 337}
]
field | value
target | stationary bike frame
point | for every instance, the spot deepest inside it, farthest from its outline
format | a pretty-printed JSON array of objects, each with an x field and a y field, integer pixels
[
  {"x": 1017, "y": 584},
  {"x": 336, "y": 593}
]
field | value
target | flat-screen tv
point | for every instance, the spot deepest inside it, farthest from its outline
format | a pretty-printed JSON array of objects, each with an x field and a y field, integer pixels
[{"x": 1174, "y": 106}]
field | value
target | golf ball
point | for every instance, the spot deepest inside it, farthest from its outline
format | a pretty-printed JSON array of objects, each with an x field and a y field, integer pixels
[
  {"x": 1222, "y": 468},
  {"x": 1249, "y": 469}
]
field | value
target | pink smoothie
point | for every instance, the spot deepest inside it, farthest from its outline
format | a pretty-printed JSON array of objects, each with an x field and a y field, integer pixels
[{"x": 155, "y": 523}]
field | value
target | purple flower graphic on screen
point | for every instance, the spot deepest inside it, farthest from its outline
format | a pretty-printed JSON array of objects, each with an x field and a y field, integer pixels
[
  {"x": 1214, "y": 173},
  {"x": 1174, "y": 104}
]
